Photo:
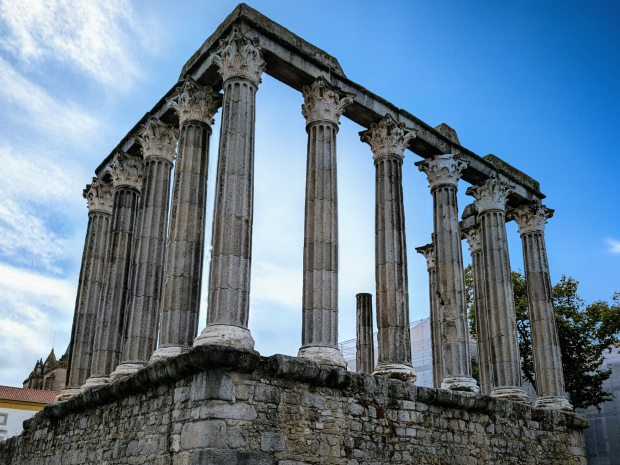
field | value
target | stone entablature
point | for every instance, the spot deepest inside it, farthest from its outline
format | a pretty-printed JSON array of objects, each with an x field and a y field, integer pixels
[{"x": 195, "y": 408}]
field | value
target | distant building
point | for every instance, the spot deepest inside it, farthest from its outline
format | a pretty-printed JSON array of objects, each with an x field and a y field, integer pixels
[
  {"x": 49, "y": 375},
  {"x": 19, "y": 404}
]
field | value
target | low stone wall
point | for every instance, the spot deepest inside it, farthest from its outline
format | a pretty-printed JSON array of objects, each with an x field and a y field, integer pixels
[{"x": 220, "y": 405}]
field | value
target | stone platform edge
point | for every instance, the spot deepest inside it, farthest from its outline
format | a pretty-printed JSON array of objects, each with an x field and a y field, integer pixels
[{"x": 227, "y": 358}]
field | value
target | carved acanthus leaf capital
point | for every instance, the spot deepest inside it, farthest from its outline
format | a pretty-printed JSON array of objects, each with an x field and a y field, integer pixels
[
  {"x": 240, "y": 56},
  {"x": 98, "y": 194},
  {"x": 428, "y": 251},
  {"x": 324, "y": 102},
  {"x": 126, "y": 170},
  {"x": 474, "y": 239},
  {"x": 531, "y": 217},
  {"x": 193, "y": 101},
  {"x": 387, "y": 137},
  {"x": 491, "y": 194},
  {"x": 158, "y": 139},
  {"x": 442, "y": 169}
]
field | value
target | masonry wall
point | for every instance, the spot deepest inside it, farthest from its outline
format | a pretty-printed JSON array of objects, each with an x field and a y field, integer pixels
[{"x": 219, "y": 405}]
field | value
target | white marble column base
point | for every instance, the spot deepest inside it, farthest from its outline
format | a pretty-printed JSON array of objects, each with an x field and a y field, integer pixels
[
  {"x": 92, "y": 382},
  {"x": 67, "y": 393},
  {"x": 558, "y": 403},
  {"x": 396, "y": 371},
  {"x": 514, "y": 394},
  {"x": 323, "y": 356},
  {"x": 164, "y": 353},
  {"x": 227, "y": 335},
  {"x": 126, "y": 369},
  {"x": 460, "y": 384}
]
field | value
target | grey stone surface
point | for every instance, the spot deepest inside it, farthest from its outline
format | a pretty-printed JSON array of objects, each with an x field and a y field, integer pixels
[
  {"x": 443, "y": 173},
  {"x": 428, "y": 251},
  {"x": 490, "y": 201},
  {"x": 365, "y": 347},
  {"x": 483, "y": 335},
  {"x": 126, "y": 172},
  {"x": 159, "y": 144},
  {"x": 323, "y": 105},
  {"x": 229, "y": 278},
  {"x": 531, "y": 219},
  {"x": 388, "y": 140},
  {"x": 195, "y": 105},
  {"x": 148, "y": 418},
  {"x": 99, "y": 197}
]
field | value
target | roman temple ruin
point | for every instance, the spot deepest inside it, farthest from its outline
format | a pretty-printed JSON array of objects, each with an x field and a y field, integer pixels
[{"x": 143, "y": 386}]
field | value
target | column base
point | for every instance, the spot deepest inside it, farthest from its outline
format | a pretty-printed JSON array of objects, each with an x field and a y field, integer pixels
[
  {"x": 397, "y": 371},
  {"x": 323, "y": 356},
  {"x": 460, "y": 383},
  {"x": 164, "y": 353},
  {"x": 558, "y": 403},
  {"x": 95, "y": 381},
  {"x": 228, "y": 335},
  {"x": 126, "y": 369},
  {"x": 67, "y": 393},
  {"x": 514, "y": 394}
]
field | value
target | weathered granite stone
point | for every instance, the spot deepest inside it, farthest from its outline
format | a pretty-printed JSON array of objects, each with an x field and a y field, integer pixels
[{"x": 365, "y": 346}]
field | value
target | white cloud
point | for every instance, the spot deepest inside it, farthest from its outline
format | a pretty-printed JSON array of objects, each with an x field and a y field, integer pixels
[
  {"x": 614, "y": 245},
  {"x": 94, "y": 36}
]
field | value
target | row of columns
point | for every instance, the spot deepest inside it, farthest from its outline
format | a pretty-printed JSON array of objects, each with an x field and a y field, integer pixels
[{"x": 126, "y": 293}]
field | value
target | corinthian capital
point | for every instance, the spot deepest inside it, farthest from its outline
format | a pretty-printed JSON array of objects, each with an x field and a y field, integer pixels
[
  {"x": 387, "y": 137},
  {"x": 126, "y": 170},
  {"x": 98, "y": 194},
  {"x": 531, "y": 217},
  {"x": 490, "y": 194},
  {"x": 324, "y": 102},
  {"x": 474, "y": 238},
  {"x": 442, "y": 169},
  {"x": 193, "y": 101},
  {"x": 158, "y": 139},
  {"x": 240, "y": 56},
  {"x": 428, "y": 251}
]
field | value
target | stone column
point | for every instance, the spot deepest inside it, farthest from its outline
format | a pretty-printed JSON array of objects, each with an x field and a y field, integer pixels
[
  {"x": 491, "y": 196},
  {"x": 126, "y": 172},
  {"x": 158, "y": 142},
  {"x": 428, "y": 251},
  {"x": 322, "y": 108},
  {"x": 365, "y": 353},
  {"x": 474, "y": 239},
  {"x": 531, "y": 219},
  {"x": 195, "y": 105},
  {"x": 388, "y": 140},
  {"x": 443, "y": 173},
  {"x": 99, "y": 198},
  {"x": 241, "y": 65}
]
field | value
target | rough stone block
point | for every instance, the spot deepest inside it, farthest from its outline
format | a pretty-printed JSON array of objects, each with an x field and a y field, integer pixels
[
  {"x": 272, "y": 442},
  {"x": 210, "y": 433},
  {"x": 229, "y": 457}
]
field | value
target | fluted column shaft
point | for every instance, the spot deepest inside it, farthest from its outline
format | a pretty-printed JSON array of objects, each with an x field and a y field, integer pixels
[
  {"x": 365, "y": 347},
  {"x": 99, "y": 196},
  {"x": 545, "y": 342},
  {"x": 482, "y": 328},
  {"x": 320, "y": 264},
  {"x": 148, "y": 266},
  {"x": 112, "y": 307}
]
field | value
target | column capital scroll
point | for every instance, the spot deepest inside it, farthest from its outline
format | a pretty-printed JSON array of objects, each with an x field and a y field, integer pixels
[
  {"x": 240, "y": 56},
  {"x": 531, "y": 217},
  {"x": 442, "y": 169},
  {"x": 387, "y": 137},
  {"x": 126, "y": 170},
  {"x": 158, "y": 139},
  {"x": 193, "y": 101},
  {"x": 324, "y": 102},
  {"x": 474, "y": 238},
  {"x": 428, "y": 251},
  {"x": 98, "y": 194},
  {"x": 490, "y": 194}
]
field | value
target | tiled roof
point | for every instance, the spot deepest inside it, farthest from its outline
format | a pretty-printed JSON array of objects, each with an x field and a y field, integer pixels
[{"x": 27, "y": 395}]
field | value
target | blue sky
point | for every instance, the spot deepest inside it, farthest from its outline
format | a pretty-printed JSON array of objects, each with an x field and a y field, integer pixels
[{"x": 535, "y": 83}]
